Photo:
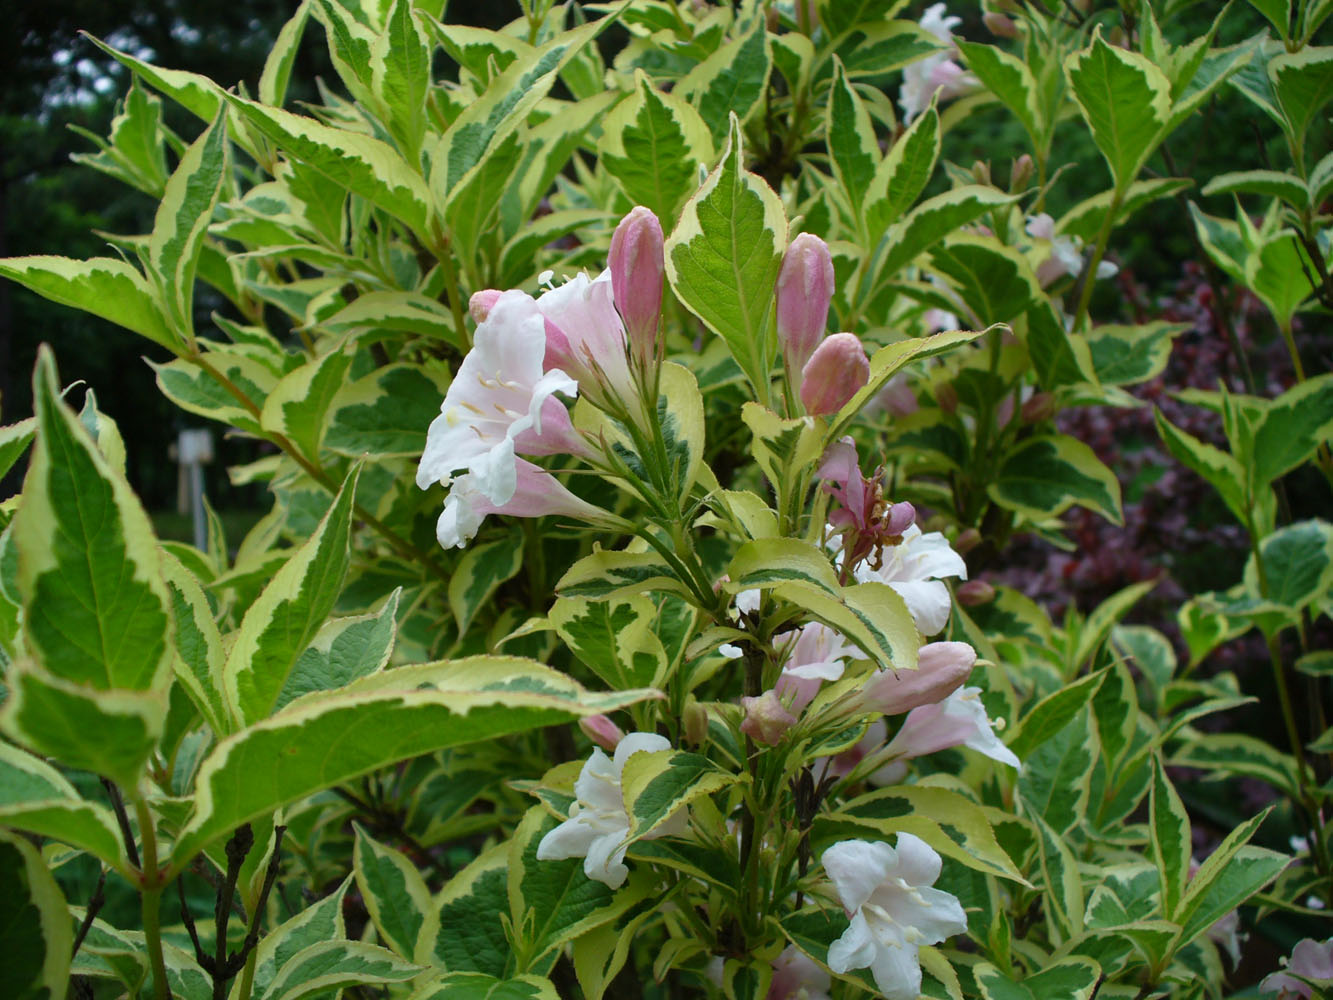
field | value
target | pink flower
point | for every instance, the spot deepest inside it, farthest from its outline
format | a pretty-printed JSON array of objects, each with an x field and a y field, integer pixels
[
  {"x": 942, "y": 667},
  {"x": 914, "y": 568},
  {"x": 937, "y": 73},
  {"x": 765, "y": 718},
  {"x": 1309, "y": 959},
  {"x": 537, "y": 493},
  {"x": 500, "y": 402},
  {"x": 637, "y": 266},
  {"x": 958, "y": 720},
  {"x": 804, "y": 291},
  {"x": 818, "y": 654},
  {"x": 584, "y": 335},
  {"x": 796, "y": 976},
  {"x": 836, "y": 371},
  {"x": 602, "y": 731}
]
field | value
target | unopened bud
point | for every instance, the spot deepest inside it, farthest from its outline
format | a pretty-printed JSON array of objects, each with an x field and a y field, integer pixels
[
  {"x": 1039, "y": 408},
  {"x": 834, "y": 374},
  {"x": 695, "y": 723},
  {"x": 967, "y": 541},
  {"x": 981, "y": 172},
  {"x": 602, "y": 731},
  {"x": 942, "y": 667},
  {"x": 804, "y": 291},
  {"x": 481, "y": 303},
  {"x": 974, "y": 592},
  {"x": 1020, "y": 173},
  {"x": 946, "y": 397},
  {"x": 636, "y": 264},
  {"x": 999, "y": 25},
  {"x": 765, "y": 719},
  {"x": 901, "y": 517}
]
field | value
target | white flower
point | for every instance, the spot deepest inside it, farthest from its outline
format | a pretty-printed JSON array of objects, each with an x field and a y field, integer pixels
[
  {"x": 584, "y": 334},
  {"x": 598, "y": 826},
  {"x": 536, "y": 493},
  {"x": 958, "y": 720},
  {"x": 936, "y": 73},
  {"x": 887, "y": 894},
  {"x": 499, "y": 394},
  {"x": 914, "y": 568},
  {"x": 1066, "y": 256},
  {"x": 797, "y": 977}
]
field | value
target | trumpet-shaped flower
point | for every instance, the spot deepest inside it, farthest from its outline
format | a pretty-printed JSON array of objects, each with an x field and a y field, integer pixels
[
  {"x": 1066, "y": 256},
  {"x": 887, "y": 893},
  {"x": 819, "y": 654},
  {"x": 1309, "y": 959},
  {"x": 797, "y": 977},
  {"x": 836, "y": 371},
  {"x": 598, "y": 826},
  {"x": 937, "y": 73},
  {"x": 958, "y": 720},
  {"x": 499, "y": 402},
  {"x": 914, "y": 569},
  {"x": 585, "y": 335},
  {"x": 536, "y": 493},
  {"x": 942, "y": 667}
]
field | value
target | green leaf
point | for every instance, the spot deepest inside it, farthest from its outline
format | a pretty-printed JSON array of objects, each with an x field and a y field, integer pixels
[
  {"x": 96, "y": 609},
  {"x": 553, "y": 902},
  {"x": 400, "y": 75},
  {"x": 615, "y": 638},
  {"x": 35, "y": 797},
  {"x": 386, "y": 413},
  {"x": 278, "y": 65},
  {"x": 1010, "y": 80},
  {"x": 781, "y": 447},
  {"x": 14, "y": 441},
  {"x": 934, "y": 219},
  {"x": 360, "y": 163},
  {"x": 606, "y": 574},
  {"x": 654, "y": 145},
  {"x": 1169, "y": 825},
  {"x": 1291, "y": 427},
  {"x": 135, "y": 152},
  {"x": 298, "y": 406},
  {"x": 479, "y": 986},
  {"x": 109, "y": 732},
  {"x": 394, "y": 892},
  {"x": 322, "y": 921},
  {"x": 731, "y": 80},
  {"x": 479, "y": 572},
  {"x": 850, "y": 136},
  {"x": 1238, "y": 754},
  {"x": 1086, "y": 218},
  {"x": 1297, "y": 561},
  {"x": 328, "y": 965},
  {"x": 1116, "y": 708},
  {"x": 182, "y": 221},
  {"x": 1058, "y": 356},
  {"x": 1221, "y": 470},
  {"x": 343, "y": 650},
  {"x": 1269, "y": 183},
  {"x": 1278, "y": 13},
  {"x": 903, "y": 173},
  {"x": 724, "y": 256},
  {"x": 327, "y": 739},
  {"x": 1056, "y": 775},
  {"x": 1064, "y": 889},
  {"x": 657, "y": 786},
  {"x": 36, "y": 935},
  {"x": 1053, "y": 713},
  {"x": 1128, "y": 355},
  {"x": 198, "y": 649},
  {"x": 1046, "y": 475},
  {"x": 949, "y": 822},
  {"x": 1067, "y": 979},
  {"x": 288, "y": 613},
  {"x": 1303, "y": 83},
  {"x": 870, "y": 615},
  {"x": 1229, "y": 876},
  {"x": 197, "y": 94},
  {"x": 1106, "y": 616},
  {"x": 1126, "y": 101},
  {"x": 768, "y": 562},
  {"x": 470, "y": 936},
  {"x": 103, "y": 286},
  {"x": 1316, "y": 664},
  {"x": 994, "y": 281}
]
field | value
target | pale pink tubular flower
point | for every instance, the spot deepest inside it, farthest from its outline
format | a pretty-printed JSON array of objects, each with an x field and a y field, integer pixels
[
  {"x": 796, "y": 976},
  {"x": 1310, "y": 959},
  {"x": 804, "y": 291},
  {"x": 537, "y": 493},
  {"x": 958, "y": 720},
  {"x": 942, "y": 667},
  {"x": 894, "y": 910},
  {"x": 637, "y": 266},
  {"x": 766, "y": 720},
  {"x": 585, "y": 336},
  {"x": 937, "y": 73},
  {"x": 914, "y": 569},
  {"x": 1066, "y": 256},
  {"x": 602, "y": 731},
  {"x": 481, "y": 303},
  {"x": 836, "y": 371},
  {"x": 499, "y": 396},
  {"x": 819, "y": 654}
]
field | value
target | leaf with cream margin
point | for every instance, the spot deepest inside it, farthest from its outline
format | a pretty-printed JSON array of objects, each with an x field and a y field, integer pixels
[
  {"x": 326, "y": 739},
  {"x": 36, "y": 935}
]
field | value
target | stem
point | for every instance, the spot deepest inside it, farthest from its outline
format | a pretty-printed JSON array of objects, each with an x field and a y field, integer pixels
[
  {"x": 126, "y": 833},
  {"x": 150, "y": 894},
  {"x": 1099, "y": 248},
  {"x": 94, "y": 905}
]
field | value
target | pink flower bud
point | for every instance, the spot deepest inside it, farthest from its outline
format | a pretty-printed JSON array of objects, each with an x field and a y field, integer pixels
[
  {"x": 942, "y": 667},
  {"x": 999, "y": 25},
  {"x": 835, "y": 372},
  {"x": 695, "y": 723},
  {"x": 804, "y": 291},
  {"x": 1020, "y": 173},
  {"x": 637, "y": 266},
  {"x": 901, "y": 517},
  {"x": 602, "y": 731},
  {"x": 481, "y": 302},
  {"x": 765, "y": 719},
  {"x": 1039, "y": 408},
  {"x": 967, "y": 541},
  {"x": 974, "y": 593},
  {"x": 946, "y": 397}
]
